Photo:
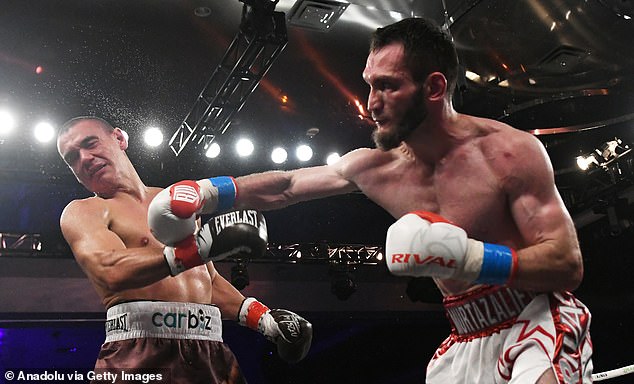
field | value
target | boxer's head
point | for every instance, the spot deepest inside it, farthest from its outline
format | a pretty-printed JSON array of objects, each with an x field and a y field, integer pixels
[
  {"x": 95, "y": 152},
  {"x": 411, "y": 63}
]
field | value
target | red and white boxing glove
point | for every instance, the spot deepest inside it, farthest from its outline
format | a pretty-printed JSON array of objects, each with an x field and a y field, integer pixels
[
  {"x": 172, "y": 212},
  {"x": 192, "y": 251},
  {"x": 172, "y": 220},
  {"x": 426, "y": 244},
  {"x": 291, "y": 333}
]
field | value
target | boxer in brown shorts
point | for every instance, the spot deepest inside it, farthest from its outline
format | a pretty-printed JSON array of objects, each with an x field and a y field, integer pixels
[{"x": 138, "y": 276}]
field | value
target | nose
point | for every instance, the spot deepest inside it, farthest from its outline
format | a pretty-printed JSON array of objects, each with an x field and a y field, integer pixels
[
  {"x": 374, "y": 101},
  {"x": 85, "y": 157}
]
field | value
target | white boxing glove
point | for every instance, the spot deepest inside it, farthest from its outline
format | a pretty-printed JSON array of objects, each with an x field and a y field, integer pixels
[
  {"x": 192, "y": 251},
  {"x": 172, "y": 212},
  {"x": 425, "y": 244}
]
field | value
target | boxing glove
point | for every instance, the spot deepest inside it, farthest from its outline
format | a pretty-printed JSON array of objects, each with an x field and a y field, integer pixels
[
  {"x": 192, "y": 251},
  {"x": 291, "y": 333},
  {"x": 425, "y": 244},
  {"x": 172, "y": 212},
  {"x": 241, "y": 233}
]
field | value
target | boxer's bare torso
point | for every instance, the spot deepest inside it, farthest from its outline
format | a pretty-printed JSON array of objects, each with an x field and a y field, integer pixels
[
  {"x": 468, "y": 186},
  {"x": 125, "y": 216}
]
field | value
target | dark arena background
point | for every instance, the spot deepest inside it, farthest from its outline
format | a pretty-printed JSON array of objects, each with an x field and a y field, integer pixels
[{"x": 562, "y": 70}]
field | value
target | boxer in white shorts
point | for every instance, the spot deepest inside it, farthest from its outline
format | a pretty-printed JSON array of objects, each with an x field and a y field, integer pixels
[{"x": 474, "y": 199}]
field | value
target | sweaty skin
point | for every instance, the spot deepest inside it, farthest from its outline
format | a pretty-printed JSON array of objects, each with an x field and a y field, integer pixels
[
  {"x": 465, "y": 168},
  {"x": 109, "y": 235}
]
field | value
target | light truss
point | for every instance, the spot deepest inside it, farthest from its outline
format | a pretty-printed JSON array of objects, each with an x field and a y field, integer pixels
[
  {"x": 322, "y": 253},
  {"x": 261, "y": 38},
  {"x": 19, "y": 243}
]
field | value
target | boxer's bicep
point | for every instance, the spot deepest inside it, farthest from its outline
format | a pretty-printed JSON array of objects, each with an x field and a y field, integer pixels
[
  {"x": 89, "y": 238},
  {"x": 550, "y": 251}
]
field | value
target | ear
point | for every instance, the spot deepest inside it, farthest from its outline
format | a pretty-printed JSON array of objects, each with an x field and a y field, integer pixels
[
  {"x": 122, "y": 138},
  {"x": 435, "y": 86}
]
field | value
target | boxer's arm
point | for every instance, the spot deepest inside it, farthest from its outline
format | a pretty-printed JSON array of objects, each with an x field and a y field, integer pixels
[
  {"x": 552, "y": 258},
  {"x": 102, "y": 254},
  {"x": 278, "y": 189},
  {"x": 224, "y": 295}
]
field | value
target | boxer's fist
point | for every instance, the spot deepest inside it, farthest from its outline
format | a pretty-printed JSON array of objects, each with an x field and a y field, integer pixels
[
  {"x": 238, "y": 233},
  {"x": 172, "y": 212},
  {"x": 291, "y": 333},
  {"x": 296, "y": 335},
  {"x": 425, "y": 244},
  {"x": 192, "y": 251}
]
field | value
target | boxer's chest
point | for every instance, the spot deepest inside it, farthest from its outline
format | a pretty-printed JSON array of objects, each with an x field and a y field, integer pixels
[{"x": 129, "y": 221}]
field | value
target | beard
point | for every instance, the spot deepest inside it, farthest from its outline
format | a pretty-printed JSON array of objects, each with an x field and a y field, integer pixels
[{"x": 386, "y": 139}]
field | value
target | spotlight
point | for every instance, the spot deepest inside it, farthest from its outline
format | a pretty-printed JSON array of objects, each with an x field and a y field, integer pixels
[
  {"x": 304, "y": 152},
  {"x": 244, "y": 147},
  {"x": 239, "y": 275},
  {"x": 44, "y": 132},
  {"x": 424, "y": 290},
  {"x": 213, "y": 151},
  {"x": 279, "y": 155},
  {"x": 7, "y": 123},
  {"x": 332, "y": 158},
  {"x": 604, "y": 155},
  {"x": 153, "y": 137},
  {"x": 584, "y": 162},
  {"x": 342, "y": 282}
]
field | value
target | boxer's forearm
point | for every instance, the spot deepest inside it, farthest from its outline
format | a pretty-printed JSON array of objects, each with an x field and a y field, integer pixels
[
  {"x": 225, "y": 296},
  {"x": 264, "y": 191},
  {"x": 549, "y": 266},
  {"x": 129, "y": 268},
  {"x": 279, "y": 189}
]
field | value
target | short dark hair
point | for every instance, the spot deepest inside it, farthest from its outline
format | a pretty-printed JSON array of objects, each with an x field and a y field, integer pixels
[
  {"x": 76, "y": 120},
  {"x": 428, "y": 48}
]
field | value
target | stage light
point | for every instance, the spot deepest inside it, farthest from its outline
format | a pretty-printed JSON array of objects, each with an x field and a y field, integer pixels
[
  {"x": 239, "y": 275},
  {"x": 244, "y": 147},
  {"x": 604, "y": 155},
  {"x": 279, "y": 155},
  {"x": 44, "y": 132},
  {"x": 332, "y": 158},
  {"x": 423, "y": 290},
  {"x": 304, "y": 152},
  {"x": 153, "y": 137},
  {"x": 584, "y": 162},
  {"x": 7, "y": 123},
  {"x": 213, "y": 150},
  {"x": 342, "y": 283}
]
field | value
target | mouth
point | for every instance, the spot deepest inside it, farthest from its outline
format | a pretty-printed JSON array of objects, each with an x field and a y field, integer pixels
[{"x": 94, "y": 170}]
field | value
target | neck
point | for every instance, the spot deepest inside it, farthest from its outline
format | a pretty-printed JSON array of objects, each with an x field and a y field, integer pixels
[
  {"x": 436, "y": 135},
  {"x": 128, "y": 183}
]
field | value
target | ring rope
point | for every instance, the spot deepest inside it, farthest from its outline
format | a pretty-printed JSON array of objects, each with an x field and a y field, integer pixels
[{"x": 613, "y": 373}]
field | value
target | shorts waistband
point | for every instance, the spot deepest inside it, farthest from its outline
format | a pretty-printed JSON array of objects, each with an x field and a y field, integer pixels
[
  {"x": 485, "y": 310},
  {"x": 162, "y": 319}
]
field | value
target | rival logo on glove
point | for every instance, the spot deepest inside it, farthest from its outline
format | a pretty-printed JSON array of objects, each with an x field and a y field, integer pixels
[{"x": 404, "y": 258}]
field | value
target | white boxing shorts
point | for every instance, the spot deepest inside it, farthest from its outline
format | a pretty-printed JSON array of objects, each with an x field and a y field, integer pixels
[{"x": 502, "y": 335}]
